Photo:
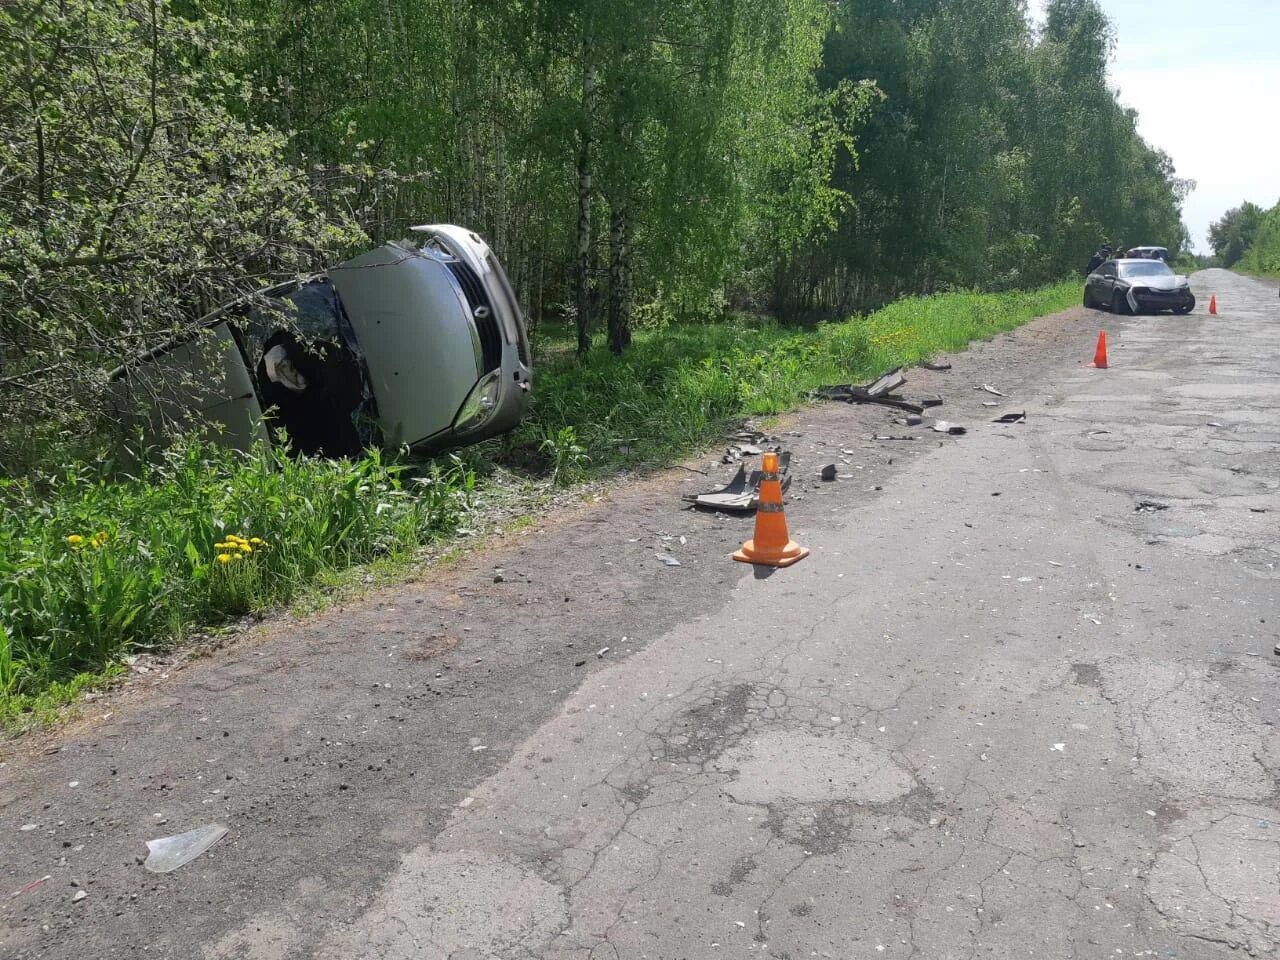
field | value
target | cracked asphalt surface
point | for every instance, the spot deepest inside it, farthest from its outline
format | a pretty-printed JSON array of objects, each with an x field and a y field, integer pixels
[{"x": 1020, "y": 701}]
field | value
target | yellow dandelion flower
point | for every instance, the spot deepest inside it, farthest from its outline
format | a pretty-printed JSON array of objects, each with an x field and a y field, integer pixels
[
  {"x": 225, "y": 558},
  {"x": 102, "y": 536},
  {"x": 244, "y": 548},
  {"x": 75, "y": 539},
  {"x": 257, "y": 541}
]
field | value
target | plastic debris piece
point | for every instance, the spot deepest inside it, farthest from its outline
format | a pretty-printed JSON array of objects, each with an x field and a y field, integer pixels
[
  {"x": 882, "y": 436},
  {"x": 80, "y": 895},
  {"x": 601, "y": 652},
  {"x": 914, "y": 420},
  {"x": 1060, "y": 747},
  {"x": 943, "y": 426},
  {"x": 929, "y": 365},
  {"x": 667, "y": 559},
  {"x": 1012, "y": 418},
  {"x": 1149, "y": 506},
  {"x": 992, "y": 390},
  {"x": 829, "y": 473},
  {"x": 35, "y": 883},
  {"x": 167, "y": 854}
]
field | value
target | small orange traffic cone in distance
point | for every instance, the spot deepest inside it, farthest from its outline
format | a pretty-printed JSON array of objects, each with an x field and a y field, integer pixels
[
  {"x": 771, "y": 546},
  {"x": 1100, "y": 355},
  {"x": 1213, "y": 305}
]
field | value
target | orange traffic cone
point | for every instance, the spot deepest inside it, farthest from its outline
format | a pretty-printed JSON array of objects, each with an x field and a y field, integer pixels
[
  {"x": 771, "y": 546},
  {"x": 1213, "y": 305},
  {"x": 1100, "y": 355}
]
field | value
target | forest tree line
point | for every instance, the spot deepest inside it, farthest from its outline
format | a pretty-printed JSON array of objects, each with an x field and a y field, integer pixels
[
  {"x": 1248, "y": 237},
  {"x": 631, "y": 162}
]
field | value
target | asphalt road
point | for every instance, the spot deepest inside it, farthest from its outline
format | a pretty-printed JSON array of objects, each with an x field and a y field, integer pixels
[{"x": 1020, "y": 701}]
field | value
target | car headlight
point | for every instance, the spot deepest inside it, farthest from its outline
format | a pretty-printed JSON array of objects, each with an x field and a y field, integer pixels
[{"x": 480, "y": 403}]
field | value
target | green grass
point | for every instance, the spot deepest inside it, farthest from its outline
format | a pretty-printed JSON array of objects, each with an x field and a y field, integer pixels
[
  {"x": 680, "y": 385},
  {"x": 92, "y": 569},
  {"x": 158, "y": 557}
]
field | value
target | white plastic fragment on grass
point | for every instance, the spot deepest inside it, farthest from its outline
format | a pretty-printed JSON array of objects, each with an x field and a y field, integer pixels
[{"x": 167, "y": 854}]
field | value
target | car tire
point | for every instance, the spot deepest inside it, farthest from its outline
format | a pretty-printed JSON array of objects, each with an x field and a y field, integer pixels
[
  {"x": 1183, "y": 309},
  {"x": 1088, "y": 301},
  {"x": 1119, "y": 305}
]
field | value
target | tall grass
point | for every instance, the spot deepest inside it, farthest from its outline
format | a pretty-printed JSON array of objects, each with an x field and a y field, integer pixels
[
  {"x": 680, "y": 384},
  {"x": 91, "y": 568}
]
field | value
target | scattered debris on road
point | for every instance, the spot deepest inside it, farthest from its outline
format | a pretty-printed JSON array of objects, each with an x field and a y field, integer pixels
[
  {"x": 914, "y": 420},
  {"x": 943, "y": 426},
  {"x": 885, "y": 436},
  {"x": 739, "y": 450},
  {"x": 167, "y": 854},
  {"x": 992, "y": 390},
  {"x": 1149, "y": 506},
  {"x": 829, "y": 473},
  {"x": 601, "y": 652},
  {"x": 1011, "y": 417},
  {"x": 929, "y": 365},
  {"x": 667, "y": 559}
]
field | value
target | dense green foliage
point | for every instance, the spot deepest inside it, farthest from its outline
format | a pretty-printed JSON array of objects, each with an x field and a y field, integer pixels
[
  {"x": 1233, "y": 233},
  {"x": 146, "y": 565},
  {"x": 632, "y": 163},
  {"x": 1261, "y": 254},
  {"x": 132, "y": 198},
  {"x": 994, "y": 159}
]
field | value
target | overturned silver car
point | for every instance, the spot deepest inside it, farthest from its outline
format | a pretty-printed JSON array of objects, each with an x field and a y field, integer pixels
[{"x": 420, "y": 344}]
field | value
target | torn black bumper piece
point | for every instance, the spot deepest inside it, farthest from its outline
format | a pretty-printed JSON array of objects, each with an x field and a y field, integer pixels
[{"x": 880, "y": 392}]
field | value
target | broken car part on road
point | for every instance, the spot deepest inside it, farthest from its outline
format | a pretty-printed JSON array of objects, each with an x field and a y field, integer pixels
[
  {"x": 879, "y": 391},
  {"x": 741, "y": 494}
]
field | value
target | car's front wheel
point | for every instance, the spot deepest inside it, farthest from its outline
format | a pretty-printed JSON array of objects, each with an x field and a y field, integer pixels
[
  {"x": 1185, "y": 308},
  {"x": 1119, "y": 304},
  {"x": 1088, "y": 300}
]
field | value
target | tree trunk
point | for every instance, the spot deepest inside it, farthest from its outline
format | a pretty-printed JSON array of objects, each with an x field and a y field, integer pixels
[
  {"x": 619, "y": 277},
  {"x": 583, "y": 269}
]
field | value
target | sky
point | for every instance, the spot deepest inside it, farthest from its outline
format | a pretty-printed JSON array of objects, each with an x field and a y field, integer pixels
[{"x": 1204, "y": 76}]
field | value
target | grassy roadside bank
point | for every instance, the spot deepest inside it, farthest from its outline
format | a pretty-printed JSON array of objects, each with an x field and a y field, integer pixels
[{"x": 91, "y": 570}]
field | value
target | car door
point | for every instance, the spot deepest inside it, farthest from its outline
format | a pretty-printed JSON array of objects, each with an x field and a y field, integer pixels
[
  {"x": 1106, "y": 282},
  {"x": 199, "y": 382},
  {"x": 1094, "y": 285}
]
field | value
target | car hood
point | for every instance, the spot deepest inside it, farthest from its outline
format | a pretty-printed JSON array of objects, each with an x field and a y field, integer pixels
[{"x": 1158, "y": 282}]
